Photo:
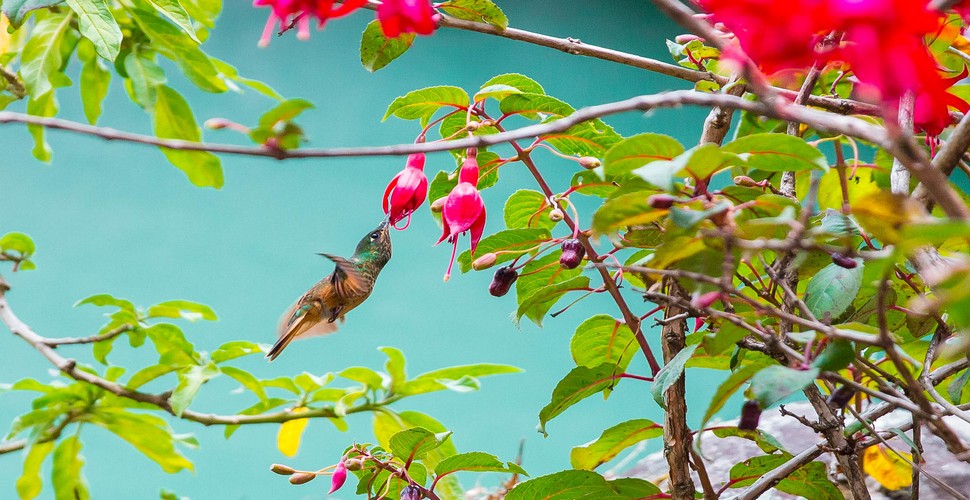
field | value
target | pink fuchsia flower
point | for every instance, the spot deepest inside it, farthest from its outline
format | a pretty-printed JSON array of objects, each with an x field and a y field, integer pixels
[
  {"x": 464, "y": 209},
  {"x": 339, "y": 476},
  {"x": 287, "y": 12},
  {"x": 407, "y": 16},
  {"x": 406, "y": 191}
]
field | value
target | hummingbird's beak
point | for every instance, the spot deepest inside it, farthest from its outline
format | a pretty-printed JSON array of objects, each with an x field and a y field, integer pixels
[{"x": 385, "y": 224}]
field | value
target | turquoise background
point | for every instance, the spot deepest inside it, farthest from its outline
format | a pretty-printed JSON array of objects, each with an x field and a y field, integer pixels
[{"x": 116, "y": 218}]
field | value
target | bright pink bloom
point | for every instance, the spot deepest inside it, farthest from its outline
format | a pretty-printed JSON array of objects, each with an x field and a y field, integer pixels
[
  {"x": 339, "y": 476},
  {"x": 407, "y": 191},
  {"x": 407, "y": 16},
  {"x": 287, "y": 12},
  {"x": 464, "y": 209}
]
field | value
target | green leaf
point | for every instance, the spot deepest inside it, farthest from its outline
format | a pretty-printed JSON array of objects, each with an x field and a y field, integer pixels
[
  {"x": 94, "y": 82},
  {"x": 103, "y": 299},
  {"x": 284, "y": 112},
  {"x": 174, "y": 11},
  {"x": 511, "y": 242},
  {"x": 832, "y": 290},
  {"x": 809, "y": 481},
  {"x": 778, "y": 153},
  {"x": 144, "y": 78},
  {"x": 482, "y": 11},
  {"x": 17, "y": 10},
  {"x": 29, "y": 484},
  {"x": 46, "y": 52},
  {"x": 613, "y": 441},
  {"x": 837, "y": 355},
  {"x": 625, "y": 210},
  {"x": 586, "y": 139},
  {"x": 98, "y": 25},
  {"x": 192, "y": 311},
  {"x": 775, "y": 383},
  {"x": 528, "y": 209},
  {"x": 366, "y": 376},
  {"x": 700, "y": 162},
  {"x": 541, "y": 273},
  {"x": 45, "y": 106},
  {"x": 203, "y": 11},
  {"x": 17, "y": 242},
  {"x": 377, "y": 51},
  {"x": 190, "y": 381},
  {"x": 955, "y": 388},
  {"x": 245, "y": 379},
  {"x": 173, "y": 119},
  {"x": 422, "y": 104},
  {"x": 175, "y": 45},
  {"x": 395, "y": 366},
  {"x": 149, "y": 434},
  {"x": 476, "y": 461},
  {"x": 147, "y": 374},
  {"x": 580, "y": 383},
  {"x": 69, "y": 483},
  {"x": 416, "y": 441},
  {"x": 603, "y": 339},
  {"x": 669, "y": 375},
  {"x": 171, "y": 345},
  {"x": 637, "y": 151},
  {"x": 538, "y": 303},
  {"x": 502, "y": 86},
  {"x": 531, "y": 105},
  {"x": 448, "y": 378},
  {"x": 388, "y": 423},
  {"x": 765, "y": 441},
  {"x": 235, "y": 349},
  {"x": 572, "y": 484}
]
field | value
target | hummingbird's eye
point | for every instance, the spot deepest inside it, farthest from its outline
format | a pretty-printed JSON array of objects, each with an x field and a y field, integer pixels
[{"x": 374, "y": 235}]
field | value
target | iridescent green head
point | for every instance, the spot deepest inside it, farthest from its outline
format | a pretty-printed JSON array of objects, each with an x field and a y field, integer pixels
[{"x": 375, "y": 247}]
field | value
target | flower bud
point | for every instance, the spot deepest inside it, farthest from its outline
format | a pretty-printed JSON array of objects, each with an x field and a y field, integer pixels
[
  {"x": 502, "y": 281},
  {"x": 302, "y": 477},
  {"x": 843, "y": 261},
  {"x": 438, "y": 205},
  {"x": 283, "y": 470},
  {"x": 744, "y": 180},
  {"x": 840, "y": 397},
  {"x": 589, "y": 163},
  {"x": 338, "y": 478},
  {"x": 471, "y": 153},
  {"x": 705, "y": 300},
  {"x": 216, "y": 123},
  {"x": 750, "y": 414},
  {"x": 661, "y": 201},
  {"x": 411, "y": 492},
  {"x": 473, "y": 126},
  {"x": 354, "y": 463},
  {"x": 484, "y": 262},
  {"x": 556, "y": 215},
  {"x": 572, "y": 254}
]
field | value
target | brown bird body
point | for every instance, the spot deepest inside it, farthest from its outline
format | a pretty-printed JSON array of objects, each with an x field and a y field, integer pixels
[{"x": 348, "y": 286}]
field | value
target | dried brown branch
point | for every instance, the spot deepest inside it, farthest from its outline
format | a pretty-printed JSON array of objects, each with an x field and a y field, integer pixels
[{"x": 677, "y": 436}]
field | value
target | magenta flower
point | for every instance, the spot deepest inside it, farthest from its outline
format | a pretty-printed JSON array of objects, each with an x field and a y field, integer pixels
[
  {"x": 407, "y": 16},
  {"x": 464, "y": 209},
  {"x": 339, "y": 476},
  {"x": 406, "y": 191},
  {"x": 287, "y": 12}
]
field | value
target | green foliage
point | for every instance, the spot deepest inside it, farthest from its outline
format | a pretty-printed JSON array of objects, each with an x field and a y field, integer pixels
[
  {"x": 612, "y": 442},
  {"x": 377, "y": 51},
  {"x": 810, "y": 481},
  {"x": 582, "y": 484},
  {"x": 422, "y": 104},
  {"x": 476, "y": 10},
  {"x": 669, "y": 375},
  {"x": 831, "y": 290},
  {"x": 774, "y": 383},
  {"x": 581, "y": 383}
]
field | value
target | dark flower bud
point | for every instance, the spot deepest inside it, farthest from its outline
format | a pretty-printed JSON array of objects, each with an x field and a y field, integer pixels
[
  {"x": 705, "y": 300},
  {"x": 556, "y": 215},
  {"x": 281, "y": 469},
  {"x": 302, "y": 477},
  {"x": 840, "y": 397},
  {"x": 411, "y": 492},
  {"x": 750, "y": 414},
  {"x": 661, "y": 201},
  {"x": 572, "y": 254},
  {"x": 438, "y": 205},
  {"x": 589, "y": 163},
  {"x": 843, "y": 261},
  {"x": 502, "y": 281}
]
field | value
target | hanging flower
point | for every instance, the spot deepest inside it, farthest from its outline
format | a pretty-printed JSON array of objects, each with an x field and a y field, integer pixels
[
  {"x": 407, "y": 16},
  {"x": 339, "y": 476},
  {"x": 464, "y": 209},
  {"x": 406, "y": 191},
  {"x": 286, "y": 13}
]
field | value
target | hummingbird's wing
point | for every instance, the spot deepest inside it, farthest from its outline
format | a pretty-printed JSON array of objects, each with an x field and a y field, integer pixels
[
  {"x": 347, "y": 280},
  {"x": 303, "y": 319}
]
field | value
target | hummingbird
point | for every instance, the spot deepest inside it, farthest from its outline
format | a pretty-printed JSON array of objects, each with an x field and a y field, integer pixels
[{"x": 348, "y": 286}]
